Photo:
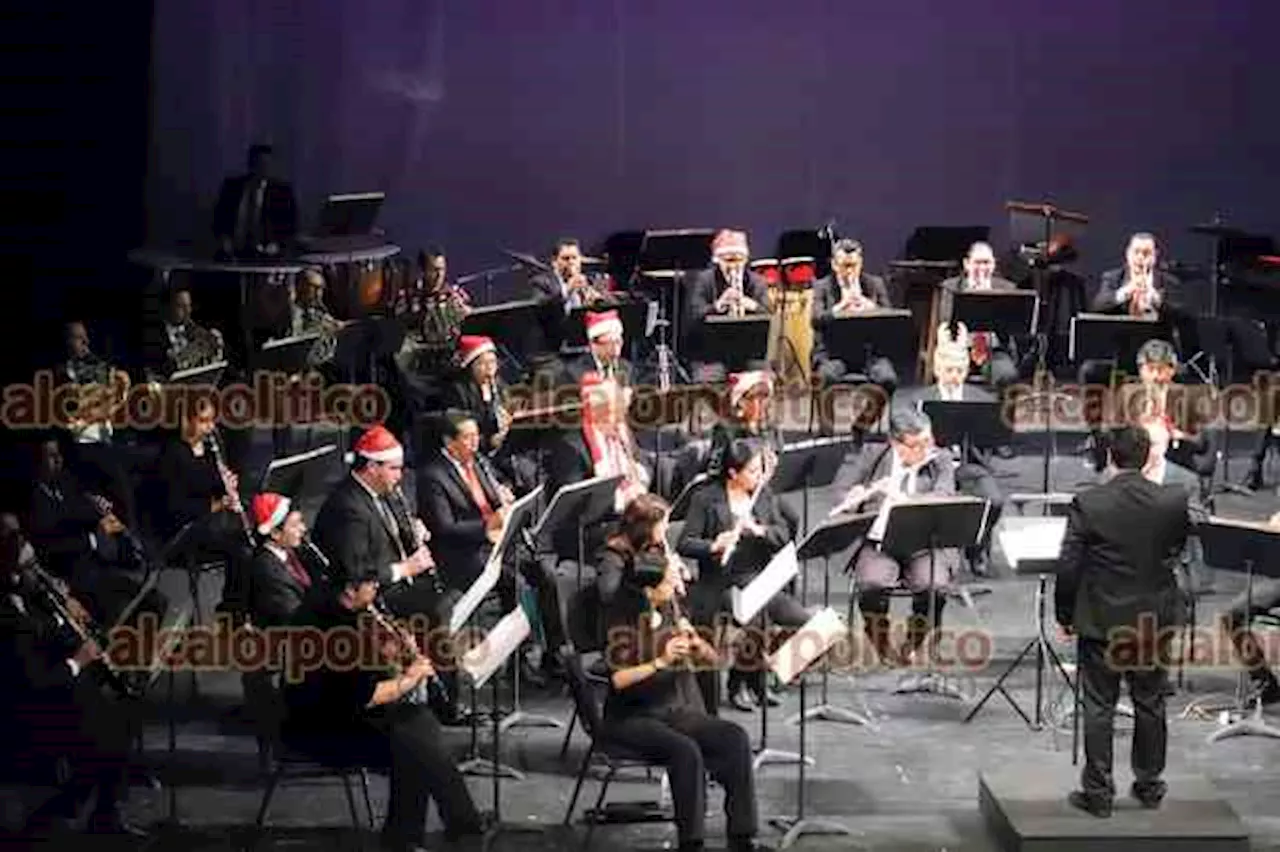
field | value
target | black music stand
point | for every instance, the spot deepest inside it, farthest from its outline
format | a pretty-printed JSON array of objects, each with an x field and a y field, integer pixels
[
  {"x": 1241, "y": 545},
  {"x": 577, "y": 506},
  {"x": 1111, "y": 337},
  {"x": 857, "y": 338},
  {"x": 793, "y": 663},
  {"x": 738, "y": 341},
  {"x": 287, "y": 355},
  {"x": 805, "y": 465},
  {"x": 291, "y": 475},
  {"x": 928, "y": 524},
  {"x": 830, "y": 539},
  {"x": 1003, "y": 312},
  {"x": 508, "y": 324},
  {"x": 675, "y": 252},
  {"x": 751, "y": 601},
  {"x": 968, "y": 425},
  {"x": 1047, "y": 532}
]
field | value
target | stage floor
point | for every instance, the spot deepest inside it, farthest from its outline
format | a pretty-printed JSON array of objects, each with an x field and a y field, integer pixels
[{"x": 909, "y": 784}]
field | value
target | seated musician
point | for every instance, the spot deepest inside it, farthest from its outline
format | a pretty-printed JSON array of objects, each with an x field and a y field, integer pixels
[
  {"x": 995, "y": 355},
  {"x": 55, "y": 704},
  {"x": 848, "y": 291},
  {"x": 79, "y": 539},
  {"x": 464, "y": 506},
  {"x": 654, "y": 708},
  {"x": 733, "y": 528},
  {"x": 563, "y": 289},
  {"x": 727, "y": 287},
  {"x": 279, "y": 581},
  {"x": 910, "y": 465},
  {"x": 605, "y": 338},
  {"x": 93, "y": 453},
  {"x": 975, "y": 475},
  {"x": 256, "y": 215},
  {"x": 373, "y": 715},
  {"x": 438, "y": 308},
  {"x": 180, "y": 343},
  {"x": 308, "y": 314}
]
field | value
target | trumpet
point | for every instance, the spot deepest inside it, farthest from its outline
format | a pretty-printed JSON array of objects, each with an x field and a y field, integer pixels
[
  {"x": 237, "y": 505},
  {"x": 414, "y": 542},
  {"x": 586, "y": 291},
  {"x": 426, "y": 689}
]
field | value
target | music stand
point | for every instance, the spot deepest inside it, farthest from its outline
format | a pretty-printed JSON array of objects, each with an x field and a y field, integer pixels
[
  {"x": 751, "y": 601},
  {"x": 577, "y": 505},
  {"x": 968, "y": 424},
  {"x": 809, "y": 464},
  {"x": 828, "y": 540},
  {"x": 208, "y": 374},
  {"x": 997, "y": 311},
  {"x": 290, "y": 474},
  {"x": 481, "y": 663},
  {"x": 739, "y": 341},
  {"x": 1230, "y": 543},
  {"x": 857, "y": 338},
  {"x": 1032, "y": 546},
  {"x": 928, "y": 524},
  {"x": 793, "y": 661},
  {"x": 674, "y": 252},
  {"x": 287, "y": 355},
  {"x": 1110, "y": 337},
  {"x": 508, "y": 324}
]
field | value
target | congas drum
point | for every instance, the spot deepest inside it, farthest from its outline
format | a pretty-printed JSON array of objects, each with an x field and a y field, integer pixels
[{"x": 791, "y": 302}]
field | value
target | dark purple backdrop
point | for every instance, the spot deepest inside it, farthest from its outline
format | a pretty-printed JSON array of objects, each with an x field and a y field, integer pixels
[{"x": 494, "y": 122}]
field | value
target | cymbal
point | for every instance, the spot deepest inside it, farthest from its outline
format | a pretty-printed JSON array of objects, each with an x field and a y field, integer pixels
[
  {"x": 526, "y": 259},
  {"x": 1044, "y": 208}
]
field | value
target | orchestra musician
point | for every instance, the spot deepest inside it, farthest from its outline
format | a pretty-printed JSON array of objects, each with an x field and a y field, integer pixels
[
  {"x": 1194, "y": 577},
  {"x": 847, "y": 291},
  {"x": 181, "y": 343},
  {"x": 256, "y": 215},
  {"x": 309, "y": 314},
  {"x": 480, "y": 390},
  {"x": 910, "y": 465},
  {"x": 1117, "y": 592},
  {"x": 728, "y": 287},
  {"x": 439, "y": 308},
  {"x": 734, "y": 526},
  {"x": 564, "y": 289},
  {"x": 995, "y": 356},
  {"x": 465, "y": 507},
  {"x": 279, "y": 581},
  {"x": 654, "y": 708},
  {"x": 55, "y": 705},
  {"x": 368, "y": 714},
  {"x": 605, "y": 338}
]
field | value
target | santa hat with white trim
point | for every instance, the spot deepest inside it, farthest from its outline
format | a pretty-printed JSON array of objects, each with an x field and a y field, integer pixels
[
  {"x": 729, "y": 242},
  {"x": 603, "y": 325},
  {"x": 472, "y": 346},
  {"x": 379, "y": 445},
  {"x": 269, "y": 511},
  {"x": 741, "y": 384}
]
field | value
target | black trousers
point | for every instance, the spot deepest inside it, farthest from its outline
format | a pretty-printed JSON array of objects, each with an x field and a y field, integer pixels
[
  {"x": 1238, "y": 615},
  {"x": 881, "y": 375},
  {"x": 976, "y": 480},
  {"x": 1099, "y": 691},
  {"x": 689, "y": 745}
]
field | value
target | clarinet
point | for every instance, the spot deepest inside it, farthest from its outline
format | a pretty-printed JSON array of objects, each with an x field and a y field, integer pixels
[
  {"x": 225, "y": 473},
  {"x": 417, "y": 542},
  {"x": 105, "y": 507},
  {"x": 426, "y": 689}
]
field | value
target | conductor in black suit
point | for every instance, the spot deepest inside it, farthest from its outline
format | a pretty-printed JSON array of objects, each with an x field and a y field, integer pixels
[
  {"x": 1117, "y": 591},
  {"x": 727, "y": 287},
  {"x": 256, "y": 215},
  {"x": 847, "y": 291}
]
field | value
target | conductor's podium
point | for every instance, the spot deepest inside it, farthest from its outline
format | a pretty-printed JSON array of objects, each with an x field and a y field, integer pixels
[{"x": 1025, "y": 807}]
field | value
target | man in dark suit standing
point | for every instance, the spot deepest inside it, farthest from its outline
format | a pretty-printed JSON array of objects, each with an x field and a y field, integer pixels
[
  {"x": 727, "y": 287},
  {"x": 848, "y": 290},
  {"x": 1117, "y": 592},
  {"x": 994, "y": 354},
  {"x": 256, "y": 215}
]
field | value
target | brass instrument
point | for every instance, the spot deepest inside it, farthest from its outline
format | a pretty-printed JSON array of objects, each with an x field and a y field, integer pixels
[
  {"x": 409, "y": 653},
  {"x": 237, "y": 505},
  {"x": 307, "y": 320},
  {"x": 415, "y": 540},
  {"x": 103, "y": 391},
  {"x": 203, "y": 346},
  {"x": 1143, "y": 294}
]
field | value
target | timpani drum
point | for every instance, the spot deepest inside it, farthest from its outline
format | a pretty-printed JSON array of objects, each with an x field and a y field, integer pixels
[{"x": 359, "y": 281}]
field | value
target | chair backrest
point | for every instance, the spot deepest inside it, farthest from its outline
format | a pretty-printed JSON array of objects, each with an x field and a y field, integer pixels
[
  {"x": 584, "y": 695},
  {"x": 584, "y": 620}
]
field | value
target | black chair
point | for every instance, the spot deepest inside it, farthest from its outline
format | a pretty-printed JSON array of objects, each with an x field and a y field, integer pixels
[{"x": 586, "y": 638}]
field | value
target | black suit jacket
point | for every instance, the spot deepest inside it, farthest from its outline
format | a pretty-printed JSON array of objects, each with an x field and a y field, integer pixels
[
  {"x": 1120, "y": 556},
  {"x": 826, "y": 295},
  {"x": 576, "y": 368},
  {"x": 59, "y": 530},
  {"x": 279, "y": 210},
  {"x": 458, "y": 537},
  {"x": 1169, "y": 288},
  {"x": 465, "y": 395},
  {"x": 353, "y": 533},
  {"x": 709, "y": 515},
  {"x": 274, "y": 593},
  {"x": 710, "y": 283}
]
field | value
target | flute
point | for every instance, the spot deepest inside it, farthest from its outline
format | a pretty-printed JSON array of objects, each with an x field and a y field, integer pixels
[{"x": 880, "y": 486}]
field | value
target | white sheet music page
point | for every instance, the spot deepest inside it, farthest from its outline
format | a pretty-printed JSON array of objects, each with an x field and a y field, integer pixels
[
  {"x": 481, "y": 661},
  {"x": 1032, "y": 539},
  {"x": 781, "y": 570},
  {"x": 808, "y": 644}
]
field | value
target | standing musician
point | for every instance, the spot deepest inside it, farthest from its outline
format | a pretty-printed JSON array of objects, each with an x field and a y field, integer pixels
[
  {"x": 256, "y": 215},
  {"x": 654, "y": 708},
  {"x": 562, "y": 290},
  {"x": 370, "y": 715},
  {"x": 727, "y": 287},
  {"x": 182, "y": 343},
  {"x": 1117, "y": 592},
  {"x": 909, "y": 466},
  {"x": 994, "y": 356},
  {"x": 465, "y": 507},
  {"x": 606, "y": 338},
  {"x": 733, "y": 528},
  {"x": 54, "y": 704},
  {"x": 847, "y": 291}
]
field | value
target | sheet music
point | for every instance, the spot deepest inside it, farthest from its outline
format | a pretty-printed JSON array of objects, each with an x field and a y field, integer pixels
[
  {"x": 807, "y": 645},
  {"x": 510, "y": 524},
  {"x": 481, "y": 661},
  {"x": 1032, "y": 539},
  {"x": 276, "y": 464},
  {"x": 213, "y": 367},
  {"x": 474, "y": 596},
  {"x": 781, "y": 570}
]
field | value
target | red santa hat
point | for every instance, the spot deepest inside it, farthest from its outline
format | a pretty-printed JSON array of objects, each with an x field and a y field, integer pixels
[
  {"x": 741, "y": 384},
  {"x": 269, "y": 511},
  {"x": 379, "y": 445},
  {"x": 729, "y": 242},
  {"x": 603, "y": 325},
  {"x": 472, "y": 346}
]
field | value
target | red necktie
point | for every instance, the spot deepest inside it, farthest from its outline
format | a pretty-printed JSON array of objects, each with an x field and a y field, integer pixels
[
  {"x": 296, "y": 570},
  {"x": 477, "y": 490}
]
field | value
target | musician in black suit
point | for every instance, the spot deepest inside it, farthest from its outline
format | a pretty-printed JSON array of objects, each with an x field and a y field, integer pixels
[
  {"x": 994, "y": 354},
  {"x": 605, "y": 339},
  {"x": 654, "y": 708},
  {"x": 54, "y": 704},
  {"x": 848, "y": 291},
  {"x": 561, "y": 290},
  {"x": 1117, "y": 591},
  {"x": 910, "y": 465},
  {"x": 279, "y": 580},
  {"x": 727, "y": 287},
  {"x": 256, "y": 215},
  {"x": 733, "y": 514}
]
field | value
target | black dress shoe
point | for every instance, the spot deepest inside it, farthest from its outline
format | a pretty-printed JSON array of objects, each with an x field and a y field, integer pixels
[
  {"x": 1149, "y": 795},
  {"x": 740, "y": 697},
  {"x": 1092, "y": 805}
]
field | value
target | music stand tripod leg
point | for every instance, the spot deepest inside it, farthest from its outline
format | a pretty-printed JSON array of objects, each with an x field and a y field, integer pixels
[
  {"x": 500, "y": 828},
  {"x": 483, "y": 767},
  {"x": 1253, "y": 724},
  {"x": 766, "y": 756}
]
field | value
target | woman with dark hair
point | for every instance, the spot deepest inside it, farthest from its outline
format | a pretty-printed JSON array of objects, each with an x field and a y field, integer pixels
[
  {"x": 734, "y": 526},
  {"x": 654, "y": 708}
]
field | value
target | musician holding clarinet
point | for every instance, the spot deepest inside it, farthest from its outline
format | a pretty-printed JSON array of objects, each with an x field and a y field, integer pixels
[
  {"x": 654, "y": 707},
  {"x": 374, "y": 715}
]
